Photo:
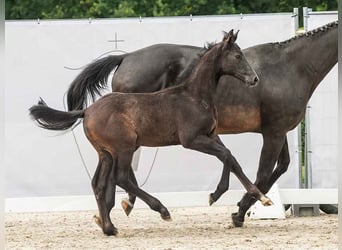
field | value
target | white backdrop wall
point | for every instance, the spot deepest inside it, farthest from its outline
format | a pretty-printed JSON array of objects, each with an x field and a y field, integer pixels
[
  {"x": 323, "y": 119},
  {"x": 45, "y": 163}
]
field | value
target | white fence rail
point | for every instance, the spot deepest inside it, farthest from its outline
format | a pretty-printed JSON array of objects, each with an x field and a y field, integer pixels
[{"x": 169, "y": 199}]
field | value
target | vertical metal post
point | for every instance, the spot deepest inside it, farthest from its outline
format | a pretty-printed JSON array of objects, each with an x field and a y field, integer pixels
[
  {"x": 299, "y": 129},
  {"x": 305, "y": 18},
  {"x": 308, "y": 165},
  {"x": 300, "y": 150},
  {"x": 296, "y": 19},
  {"x": 307, "y": 141}
]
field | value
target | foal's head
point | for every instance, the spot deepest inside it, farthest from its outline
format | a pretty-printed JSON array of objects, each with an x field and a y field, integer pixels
[{"x": 233, "y": 62}]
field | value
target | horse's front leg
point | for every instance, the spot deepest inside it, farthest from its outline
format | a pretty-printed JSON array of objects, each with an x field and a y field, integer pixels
[
  {"x": 266, "y": 177},
  {"x": 104, "y": 189}
]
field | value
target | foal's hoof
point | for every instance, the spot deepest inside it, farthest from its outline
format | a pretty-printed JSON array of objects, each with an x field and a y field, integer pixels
[
  {"x": 167, "y": 218},
  {"x": 211, "y": 199},
  {"x": 266, "y": 201},
  {"x": 237, "y": 221},
  {"x": 127, "y": 206}
]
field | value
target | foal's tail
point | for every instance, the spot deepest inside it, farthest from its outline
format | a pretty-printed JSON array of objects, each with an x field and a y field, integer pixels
[
  {"x": 90, "y": 81},
  {"x": 52, "y": 119}
]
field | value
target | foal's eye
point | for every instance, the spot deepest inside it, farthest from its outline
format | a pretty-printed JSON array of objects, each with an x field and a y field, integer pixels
[{"x": 238, "y": 56}]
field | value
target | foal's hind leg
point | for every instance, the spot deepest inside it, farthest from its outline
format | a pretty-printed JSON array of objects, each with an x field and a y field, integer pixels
[
  {"x": 123, "y": 180},
  {"x": 104, "y": 189}
]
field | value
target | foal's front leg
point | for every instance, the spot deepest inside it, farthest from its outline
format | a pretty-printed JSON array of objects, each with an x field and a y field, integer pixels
[
  {"x": 213, "y": 145},
  {"x": 251, "y": 188}
]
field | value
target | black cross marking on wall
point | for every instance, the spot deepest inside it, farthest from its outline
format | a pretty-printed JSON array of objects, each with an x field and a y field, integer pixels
[{"x": 116, "y": 40}]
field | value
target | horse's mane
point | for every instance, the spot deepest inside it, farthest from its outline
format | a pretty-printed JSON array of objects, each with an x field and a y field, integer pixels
[{"x": 310, "y": 33}]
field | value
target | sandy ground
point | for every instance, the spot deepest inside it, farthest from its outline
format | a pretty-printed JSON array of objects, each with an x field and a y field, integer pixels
[{"x": 191, "y": 228}]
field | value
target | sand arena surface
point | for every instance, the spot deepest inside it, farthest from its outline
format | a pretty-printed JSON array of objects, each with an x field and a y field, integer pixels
[{"x": 190, "y": 228}]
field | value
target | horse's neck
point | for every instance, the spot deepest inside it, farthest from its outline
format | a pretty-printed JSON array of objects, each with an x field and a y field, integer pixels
[
  {"x": 202, "y": 81},
  {"x": 315, "y": 54}
]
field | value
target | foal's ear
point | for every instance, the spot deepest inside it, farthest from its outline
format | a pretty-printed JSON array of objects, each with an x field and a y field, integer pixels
[
  {"x": 229, "y": 38},
  {"x": 227, "y": 35},
  {"x": 236, "y": 35}
]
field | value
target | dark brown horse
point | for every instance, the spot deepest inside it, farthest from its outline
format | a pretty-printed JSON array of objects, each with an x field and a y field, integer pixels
[
  {"x": 289, "y": 72},
  {"x": 118, "y": 124}
]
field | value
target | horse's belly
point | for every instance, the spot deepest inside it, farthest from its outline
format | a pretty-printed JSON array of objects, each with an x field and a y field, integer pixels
[{"x": 238, "y": 119}]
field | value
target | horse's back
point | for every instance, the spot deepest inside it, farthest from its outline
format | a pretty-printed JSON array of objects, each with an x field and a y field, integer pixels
[{"x": 153, "y": 68}]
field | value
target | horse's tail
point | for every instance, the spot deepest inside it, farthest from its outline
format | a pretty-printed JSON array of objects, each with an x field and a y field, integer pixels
[
  {"x": 52, "y": 119},
  {"x": 90, "y": 81}
]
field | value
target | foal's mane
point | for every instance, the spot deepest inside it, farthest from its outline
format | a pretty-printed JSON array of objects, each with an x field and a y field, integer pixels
[
  {"x": 208, "y": 45},
  {"x": 185, "y": 75},
  {"x": 310, "y": 33}
]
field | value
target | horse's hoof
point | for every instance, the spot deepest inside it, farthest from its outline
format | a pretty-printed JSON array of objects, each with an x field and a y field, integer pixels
[
  {"x": 237, "y": 222},
  {"x": 111, "y": 230},
  {"x": 211, "y": 199},
  {"x": 266, "y": 201},
  {"x": 127, "y": 206}
]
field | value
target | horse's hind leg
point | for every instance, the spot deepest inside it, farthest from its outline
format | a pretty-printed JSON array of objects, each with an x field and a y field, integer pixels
[
  {"x": 124, "y": 180},
  {"x": 104, "y": 189},
  {"x": 128, "y": 204}
]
